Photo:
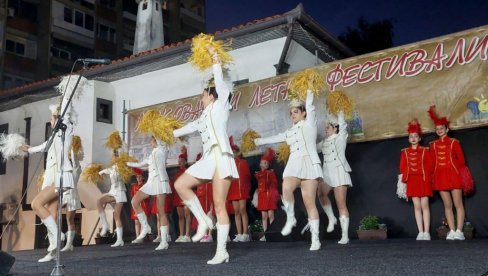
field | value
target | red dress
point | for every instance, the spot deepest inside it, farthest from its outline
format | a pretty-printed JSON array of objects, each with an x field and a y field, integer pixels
[
  {"x": 415, "y": 166},
  {"x": 205, "y": 196},
  {"x": 267, "y": 190},
  {"x": 448, "y": 159},
  {"x": 144, "y": 204},
  {"x": 240, "y": 188}
]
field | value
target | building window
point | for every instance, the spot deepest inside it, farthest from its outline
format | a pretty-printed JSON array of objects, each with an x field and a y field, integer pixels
[
  {"x": 104, "y": 111},
  {"x": 107, "y": 3},
  {"x": 3, "y": 162},
  {"x": 10, "y": 81},
  {"x": 15, "y": 47},
  {"x": 60, "y": 53},
  {"x": 78, "y": 18},
  {"x": 106, "y": 33},
  {"x": 23, "y": 9}
]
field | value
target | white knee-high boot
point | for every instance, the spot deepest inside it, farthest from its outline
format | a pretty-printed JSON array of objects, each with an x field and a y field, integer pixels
[
  {"x": 52, "y": 232},
  {"x": 145, "y": 228},
  {"x": 291, "y": 221},
  {"x": 330, "y": 215},
  {"x": 70, "y": 236},
  {"x": 221, "y": 255},
  {"x": 120, "y": 234},
  {"x": 314, "y": 229},
  {"x": 51, "y": 255},
  {"x": 345, "y": 228},
  {"x": 104, "y": 222},
  {"x": 204, "y": 222},
  {"x": 163, "y": 244}
]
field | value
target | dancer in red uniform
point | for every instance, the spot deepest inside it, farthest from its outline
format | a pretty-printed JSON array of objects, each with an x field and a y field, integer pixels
[
  {"x": 267, "y": 191},
  {"x": 145, "y": 203},
  {"x": 184, "y": 215},
  {"x": 239, "y": 194},
  {"x": 415, "y": 167},
  {"x": 448, "y": 159}
]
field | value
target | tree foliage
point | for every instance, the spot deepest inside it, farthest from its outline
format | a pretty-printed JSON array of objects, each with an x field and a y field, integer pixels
[{"x": 369, "y": 37}]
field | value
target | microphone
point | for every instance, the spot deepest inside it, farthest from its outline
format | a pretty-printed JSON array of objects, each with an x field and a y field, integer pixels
[{"x": 105, "y": 61}]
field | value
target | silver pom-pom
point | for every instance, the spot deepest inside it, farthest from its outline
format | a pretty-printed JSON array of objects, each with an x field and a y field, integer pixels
[
  {"x": 10, "y": 146},
  {"x": 295, "y": 103},
  {"x": 401, "y": 188}
]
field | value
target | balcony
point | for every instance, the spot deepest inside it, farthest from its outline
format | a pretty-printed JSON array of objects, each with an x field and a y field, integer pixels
[
  {"x": 22, "y": 24},
  {"x": 14, "y": 63},
  {"x": 189, "y": 13}
]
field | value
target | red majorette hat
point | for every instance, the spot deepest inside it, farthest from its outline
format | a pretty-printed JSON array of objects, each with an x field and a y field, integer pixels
[
  {"x": 437, "y": 121},
  {"x": 268, "y": 155},
  {"x": 137, "y": 171},
  {"x": 414, "y": 127},
  {"x": 232, "y": 145},
  {"x": 199, "y": 156},
  {"x": 184, "y": 153}
]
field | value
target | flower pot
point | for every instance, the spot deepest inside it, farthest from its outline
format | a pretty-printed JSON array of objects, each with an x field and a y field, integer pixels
[
  {"x": 377, "y": 234},
  {"x": 442, "y": 233},
  {"x": 256, "y": 236}
]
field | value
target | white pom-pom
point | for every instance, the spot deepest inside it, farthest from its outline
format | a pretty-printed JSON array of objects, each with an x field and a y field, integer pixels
[
  {"x": 401, "y": 188},
  {"x": 10, "y": 146},
  {"x": 255, "y": 199}
]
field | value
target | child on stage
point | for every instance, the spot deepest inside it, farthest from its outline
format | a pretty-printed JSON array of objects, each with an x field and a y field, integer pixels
[{"x": 415, "y": 168}]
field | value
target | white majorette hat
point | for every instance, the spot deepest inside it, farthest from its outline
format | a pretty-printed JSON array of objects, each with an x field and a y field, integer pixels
[
  {"x": 65, "y": 88},
  {"x": 54, "y": 109},
  {"x": 295, "y": 103},
  {"x": 331, "y": 119}
]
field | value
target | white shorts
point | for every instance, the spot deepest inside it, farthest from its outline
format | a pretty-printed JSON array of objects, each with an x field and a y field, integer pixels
[
  {"x": 119, "y": 196},
  {"x": 302, "y": 168},
  {"x": 336, "y": 176},
  {"x": 214, "y": 162},
  {"x": 71, "y": 200}
]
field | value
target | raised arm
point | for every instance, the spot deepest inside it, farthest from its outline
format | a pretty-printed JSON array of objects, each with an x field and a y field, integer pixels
[
  {"x": 342, "y": 123},
  {"x": 186, "y": 129},
  {"x": 311, "y": 119},
  {"x": 39, "y": 148},
  {"x": 271, "y": 140},
  {"x": 141, "y": 164}
]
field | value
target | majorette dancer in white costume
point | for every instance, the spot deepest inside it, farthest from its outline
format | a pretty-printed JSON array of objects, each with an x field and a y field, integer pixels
[
  {"x": 45, "y": 203},
  {"x": 117, "y": 194},
  {"x": 336, "y": 173},
  {"x": 71, "y": 198},
  {"x": 217, "y": 163},
  {"x": 303, "y": 168},
  {"x": 157, "y": 184}
]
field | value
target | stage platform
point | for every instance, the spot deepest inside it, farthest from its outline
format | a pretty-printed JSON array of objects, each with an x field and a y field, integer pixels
[{"x": 390, "y": 257}]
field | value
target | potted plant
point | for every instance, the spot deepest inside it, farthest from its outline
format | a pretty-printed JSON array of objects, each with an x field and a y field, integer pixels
[
  {"x": 442, "y": 230},
  {"x": 77, "y": 240},
  {"x": 371, "y": 229},
  {"x": 256, "y": 230},
  {"x": 110, "y": 238}
]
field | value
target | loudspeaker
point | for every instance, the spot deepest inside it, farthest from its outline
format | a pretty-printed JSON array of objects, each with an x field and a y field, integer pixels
[{"x": 6, "y": 262}]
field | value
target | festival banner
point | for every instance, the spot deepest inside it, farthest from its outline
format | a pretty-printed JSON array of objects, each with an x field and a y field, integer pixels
[{"x": 388, "y": 89}]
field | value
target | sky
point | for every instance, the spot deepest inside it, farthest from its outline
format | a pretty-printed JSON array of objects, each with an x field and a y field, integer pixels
[{"x": 413, "y": 20}]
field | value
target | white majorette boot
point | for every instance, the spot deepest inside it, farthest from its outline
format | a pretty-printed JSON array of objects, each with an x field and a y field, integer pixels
[
  {"x": 330, "y": 215},
  {"x": 345, "y": 228},
  {"x": 145, "y": 228},
  {"x": 204, "y": 222},
  {"x": 221, "y": 255},
  {"x": 104, "y": 222},
  {"x": 291, "y": 222},
  {"x": 51, "y": 255},
  {"x": 52, "y": 232},
  {"x": 163, "y": 244},
  {"x": 120, "y": 241},
  {"x": 314, "y": 229},
  {"x": 70, "y": 236}
]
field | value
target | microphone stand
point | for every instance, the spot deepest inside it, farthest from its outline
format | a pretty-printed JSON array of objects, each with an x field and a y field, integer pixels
[{"x": 58, "y": 268}]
